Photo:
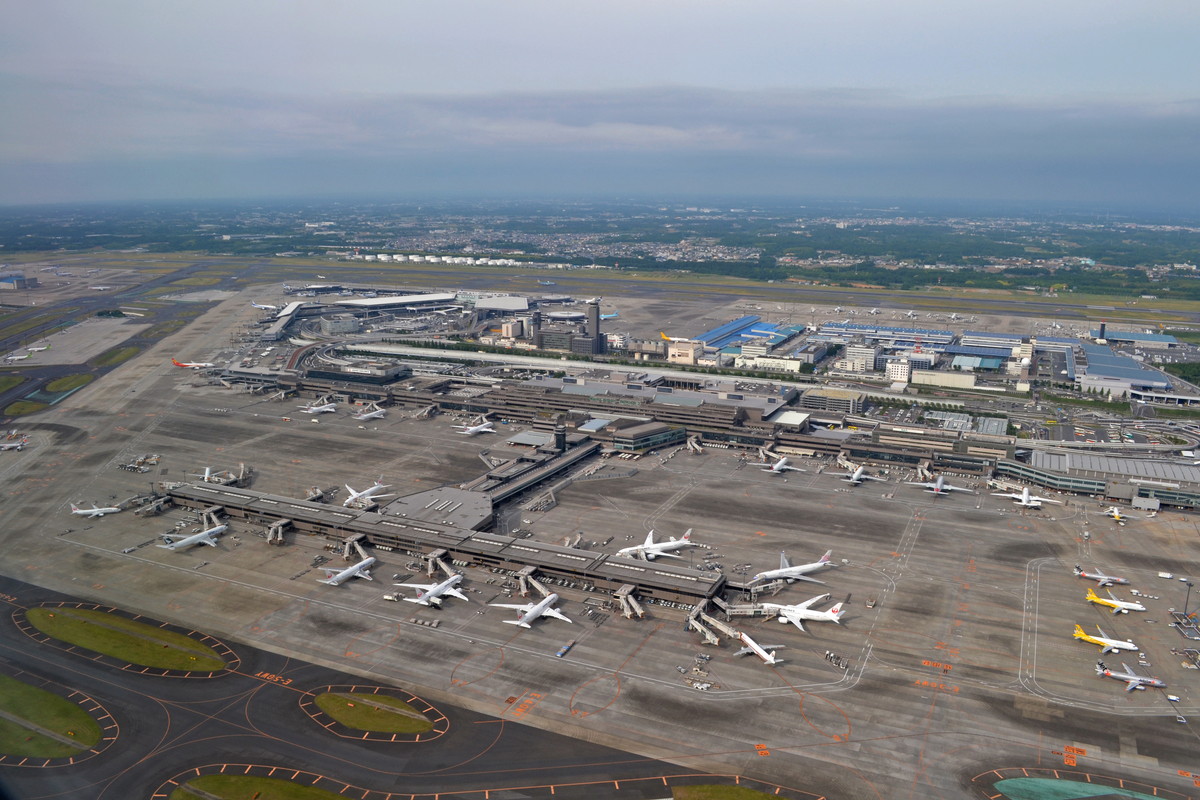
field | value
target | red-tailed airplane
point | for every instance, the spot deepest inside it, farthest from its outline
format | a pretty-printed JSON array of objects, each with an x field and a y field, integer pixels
[{"x": 193, "y": 364}]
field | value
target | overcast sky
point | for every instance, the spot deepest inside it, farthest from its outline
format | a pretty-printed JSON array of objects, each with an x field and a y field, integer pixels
[{"x": 1068, "y": 101}]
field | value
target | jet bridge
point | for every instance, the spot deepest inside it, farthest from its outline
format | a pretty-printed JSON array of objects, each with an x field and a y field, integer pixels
[
  {"x": 525, "y": 579},
  {"x": 437, "y": 560},
  {"x": 629, "y": 604},
  {"x": 353, "y": 543},
  {"x": 275, "y": 532}
]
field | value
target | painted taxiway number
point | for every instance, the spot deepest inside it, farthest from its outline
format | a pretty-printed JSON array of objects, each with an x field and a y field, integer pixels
[
  {"x": 1075, "y": 751},
  {"x": 270, "y": 676},
  {"x": 937, "y": 665},
  {"x": 8, "y": 598},
  {"x": 942, "y": 687},
  {"x": 530, "y": 700},
  {"x": 762, "y": 750},
  {"x": 1069, "y": 761}
]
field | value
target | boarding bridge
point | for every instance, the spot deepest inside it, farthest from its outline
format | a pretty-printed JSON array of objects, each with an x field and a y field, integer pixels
[
  {"x": 437, "y": 560},
  {"x": 693, "y": 622},
  {"x": 629, "y": 604},
  {"x": 723, "y": 627},
  {"x": 352, "y": 546},
  {"x": 275, "y": 532},
  {"x": 525, "y": 580},
  {"x": 155, "y": 506}
]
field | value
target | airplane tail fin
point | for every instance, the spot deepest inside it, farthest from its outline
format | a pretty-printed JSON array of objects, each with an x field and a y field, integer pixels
[
  {"x": 1079, "y": 632},
  {"x": 1091, "y": 595},
  {"x": 836, "y": 613},
  {"x": 75, "y": 507},
  {"x": 1078, "y": 570},
  {"x": 176, "y": 363},
  {"x": 1100, "y": 668},
  {"x": 687, "y": 537},
  {"x": 825, "y": 559}
]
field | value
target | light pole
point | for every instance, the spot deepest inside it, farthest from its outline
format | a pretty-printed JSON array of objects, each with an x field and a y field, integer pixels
[{"x": 1187, "y": 599}]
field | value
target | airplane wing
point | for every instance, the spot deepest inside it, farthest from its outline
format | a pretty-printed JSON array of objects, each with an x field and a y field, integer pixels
[
  {"x": 795, "y": 619},
  {"x": 456, "y": 593},
  {"x": 805, "y": 578},
  {"x": 421, "y": 587},
  {"x": 664, "y": 554},
  {"x": 553, "y": 612},
  {"x": 811, "y": 602},
  {"x": 525, "y": 608}
]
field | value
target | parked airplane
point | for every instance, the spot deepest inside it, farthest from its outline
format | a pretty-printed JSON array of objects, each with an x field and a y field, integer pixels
[
  {"x": 531, "y": 612},
  {"x": 94, "y": 511},
  {"x": 323, "y": 408},
  {"x": 650, "y": 550},
  {"x": 17, "y": 445},
  {"x": 939, "y": 486},
  {"x": 759, "y": 650},
  {"x": 673, "y": 338},
  {"x": 858, "y": 476},
  {"x": 779, "y": 467},
  {"x": 193, "y": 364},
  {"x": 15, "y": 357},
  {"x": 375, "y": 412},
  {"x": 1025, "y": 499},
  {"x": 954, "y": 317},
  {"x": 797, "y": 573},
  {"x": 1099, "y": 577},
  {"x": 1117, "y": 606},
  {"x": 371, "y": 493},
  {"x": 873, "y": 311},
  {"x": 1116, "y": 514},
  {"x": 38, "y": 349},
  {"x": 1106, "y": 644},
  {"x": 264, "y": 306},
  {"x": 362, "y": 569},
  {"x": 484, "y": 425},
  {"x": 431, "y": 594},
  {"x": 1132, "y": 679},
  {"x": 911, "y": 315},
  {"x": 208, "y": 537},
  {"x": 796, "y": 614}
]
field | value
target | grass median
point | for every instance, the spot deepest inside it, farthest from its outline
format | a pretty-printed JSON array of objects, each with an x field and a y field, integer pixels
[
  {"x": 37, "y": 722},
  {"x": 125, "y": 639},
  {"x": 379, "y": 713}
]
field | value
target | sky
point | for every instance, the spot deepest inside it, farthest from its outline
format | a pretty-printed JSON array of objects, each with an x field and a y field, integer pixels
[{"x": 1093, "y": 102}]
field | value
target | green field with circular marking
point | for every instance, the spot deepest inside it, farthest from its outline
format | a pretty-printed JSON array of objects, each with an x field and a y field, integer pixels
[
  {"x": 378, "y": 713},
  {"x": 41, "y": 724},
  {"x": 248, "y": 787},
  {"x": 125, "y": 639}
]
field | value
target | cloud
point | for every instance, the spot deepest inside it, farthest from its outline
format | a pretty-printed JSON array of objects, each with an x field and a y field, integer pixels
[{"x": 692, "y": 139}]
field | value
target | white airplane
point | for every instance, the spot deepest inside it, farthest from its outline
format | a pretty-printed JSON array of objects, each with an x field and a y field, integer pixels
[
  {"x": 483, "y": 426},
  {"x": 323, "y": 408},
  {"x": 17, "y": 445},
  {"x": 1117, "y": 606},
  {"x": 939, "y": 486},
  {"x": 797, "y": 573},
  {"x": 362, "y": 569},
  {"x": 911, "y": 315},
  {"x": 650, "y": 550},
  {"x": 15, "y": 357},
  {"x": 759, "y": 650},
  {"x": 38, "y": 349},
  {"x": 193, "y": 364},
  {"x": 530, "y": 612},
  {"x": 779, "y": 467},
  {"x": 1100, "y": 578},
  {"x": 858, "y": 476},
  {"x": 1116, "y": 514},
  {"x": 873, "y": 312},
  {"x": 796, "y": 614},
  {"x": 673, "y": 338},
  {"x": 1132, "y": 679},
  {"x": 1025, "y": 499},
  {"x": 264, "y": 306},
  {"x": 371, "y": 493},
  {"x": 431, "y": 594},
  {"x": 954, "y": 317},
  {"x": 94, "y": 511},
  {"x": 593, "y": 300},
  {"x": 1106, "y": 644},
  {"x": 374, "y": 413},
  {"x": 208, "y": 537}
]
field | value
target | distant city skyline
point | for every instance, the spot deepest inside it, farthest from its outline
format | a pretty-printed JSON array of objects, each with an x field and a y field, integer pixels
[{"x": 1071, "y": 102}]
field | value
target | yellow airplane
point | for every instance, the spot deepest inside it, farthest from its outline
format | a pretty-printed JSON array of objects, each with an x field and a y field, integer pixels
[
  {"x": 1117, "y": 606},
  {"x": 1105, "y": 644},
  {"x": 673, "y": 338}
]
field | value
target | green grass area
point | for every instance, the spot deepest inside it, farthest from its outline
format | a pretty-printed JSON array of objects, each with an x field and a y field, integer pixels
[
  {"x": 22, "y": 407},
  {"x": 1101, "y": 405},
  {"x": 9, "y": 381},
  {"x": 125, "y": 639},
  {"x": 197, "y": 280},
  {"x": 361, "y": 712},
  {"x": 69, "y": 382},
  {"x": 45, "y": 710},
  {"x": 117, "y": 355},
  {"x": 248, "y": 787},
  {"x": 716, "y": 793}
]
